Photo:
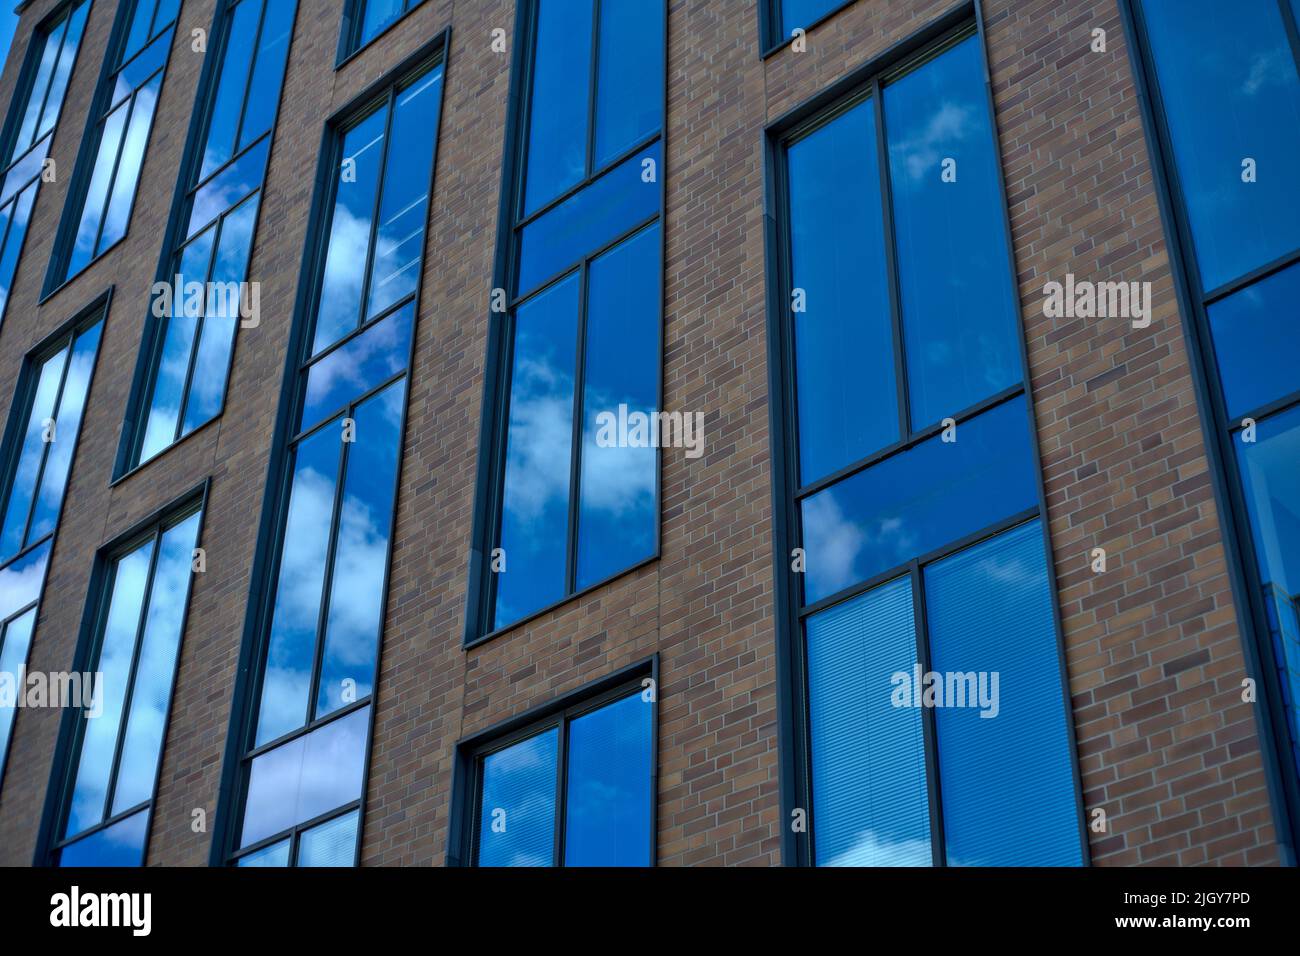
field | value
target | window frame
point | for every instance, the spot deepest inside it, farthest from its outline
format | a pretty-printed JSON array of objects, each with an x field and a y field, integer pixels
[
  {"x": 467, "y": 782},
  {"x": 154, "y": 334},
  {"x": 494, "y": 428},
  {"x": 101, "y": 107},
  {"x": 771, "y": 37},
  {"x": 51, "y": 839},
  {"x": 961, "y": 23},
  {"x": 26, "y": 84},
  {"x": 350, "y": 42},
  {"x": 241, "y": 747},
  {"x": 1217, "y": 429},
  {"x": 10, "y": 449}
]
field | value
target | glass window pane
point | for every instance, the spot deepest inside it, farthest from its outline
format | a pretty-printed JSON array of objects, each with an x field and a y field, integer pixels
[
  {"x": 140, "y": 69},
  {"x": 361, "y": 552},
  {"x": 403, "y": 208},
  {"x": 1254, "y": 334},
  {"x": 914, "y": 502},
  {"x": 1005, "y": 764},
  {"x": 370, "y": 358},
  {"x": 1272, "y": 490},
  {"x": 152, "y": 688},
  {"x": 1230, "y": 93},
  {"x": 616, "y": 507},
  {"x": 377, "y": 15},
  {"x": 27, "y": 132},
  {"x": 517, "y": 804},
  {"x": 13, "y": 534},
  {"x": 610, "y": 796},
  {"x": 15, "y": 641},
  {"x": 844, "y": 344},
  {"x": 804, "y": 13},
  {"x": 20, "y": 215},
  {"x": 349, "y": 230},
  {"x": 92, "y": 211},
  {"x": 178, "y": 343},
  {"x": 113, "y": 662},
  {"x": 959, "y": 316},
  {"x": 229, "y": 186},
  {"x": 129, "y": 163},
  {"x": 557, "y": 129},
  {"x": 66, "y": 428},
  {"x": 268, "y": 71},
  {"x": 277, "y": 854},
  {"x": 333, "y": 843},
  {"x": 588, "y": 220},
  {"x": 59, "y": 85},
  {"x": 122, "y": 844},
  {"x": 535, "y": 500},
  {"x": 217, "y": 336},
  {"x": 20, "y": 580},
  {"x": 628, "y": 109},
  {"x": 138, "y": 34},
  {"x": 306, "y": 777},
  {"x": 231, "y": 87},
  {"x": 870, "y": 802},
  {"x": 290, "y": 657}
]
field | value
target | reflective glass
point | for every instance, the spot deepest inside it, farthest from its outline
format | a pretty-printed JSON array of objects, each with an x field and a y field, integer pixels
[
  {"x": 609, "y": 795},
  {"x": 1272, "y": 490},
  {"x": 306, "y": 777},
  {"x": 616, "y": 499},
  {"x": 129, "y": 162},
  {"x": 84, "y": 245},
  {"x": 561, "y": 88},
  {"x": 229, "y": 186},
  {"x": 535, "y": 500},
  {"x": 223, "y": 122},
  {"x": 17, "y": 215},
  {"x": 844, "y": 346},
  {"x": 960, "y": 333},
  {"x": 363, "y": 363},
  {"x": 268, "y": 70},
  {"x": 914, "y": 502},
  {"x": 333, "y": 843},
  {"x": 517, "y": 804},
  {"x": 377, "y": 15},
  {"x": 1005, "y": 763},
  {"x": 21, "y": 579},
  {"x": 589, "y": 219},
  {"x": 870, "y": 801},
  {"x": 804, "y": 13},
  {"x": 1230, "y": 93},
  {"x": 31, "y": 455},
  {"x": 277, "y": 854},
  {"x": 1254, "y": 333},
  {"x": 628, "y": 109},
  {"x": 15, "y": 641},
  {"x": 122, "y": 844}
]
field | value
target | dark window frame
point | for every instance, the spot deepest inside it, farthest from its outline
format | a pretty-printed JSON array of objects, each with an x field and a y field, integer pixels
[
  {"x": 10, "y": 447},
  {"x": 51, "y": 839},
  {"x": 494, "y": 425},
  {"x": 154, "y": 335},
  {"x": 26, "y": 82},
  {"x": 961, "y": 22},
  {"x": 771, "y": 38},
  {"x": 350, "y": 42},
  {"x": 101, "y": 106},
  {"x": 467, "y": 782},
  {"x": 241, "y": 746},
  {"x": 1218, "y": 430}
]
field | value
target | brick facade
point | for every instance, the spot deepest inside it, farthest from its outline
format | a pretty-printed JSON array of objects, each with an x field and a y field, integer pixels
[{"x": 1153, "y": 645}]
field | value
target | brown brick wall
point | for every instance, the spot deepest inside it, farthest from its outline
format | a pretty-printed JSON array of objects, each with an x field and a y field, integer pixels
[{"x": 1154, "y": 655}]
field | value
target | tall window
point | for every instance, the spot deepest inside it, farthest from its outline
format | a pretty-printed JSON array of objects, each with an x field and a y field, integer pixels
[
  {"x": 34, "y": 466},
  {"x": 319, "y": 646},
  {"x": 573, "y": 788},
  {"x": 363, "y": 20},
  {"x": 1226, "y": 87},
  {"x": 30, "y": 129},
  {"x": 189, "y": 359},
  {"x": 113, "y": 772},
  {"x": 914, "y": 524},
  {"x": 580, "y": 337},
  {"x": 782, "y": 17},
  {"x": 112, "y": 154}
]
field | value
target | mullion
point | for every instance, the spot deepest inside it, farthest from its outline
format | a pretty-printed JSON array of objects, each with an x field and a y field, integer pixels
[
  {"x": 368, "y": 275},
  {"x": 117, "y": 163},
  {"x": 585, "y": 258},
  {"x": 254, "y": 752},
  {"x": 200, "y": 324},
  {"x": 1275, "y": 407},
  {"x": 575, "y": 448},
  {"x": 1292, "y": 31},
  {"x": 356, "y": 333},
  {"x": 891, "y": 267},
  {"x": 593, "y": 67},
  {"x": 645, "y": 143},
  {"x": 1211, "y": 296},
  {"x": 929, "y": 723},
  {"x": 45, "y": 451},
  {"x": 561, "y": 763},
  {"x": 332, "y": 416},
  {"x": 104, "y": 824},
  {"x": 327, "y": 582},
  {"x": 252, "y": 65},
  {"x": 156, "y": 539}
]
